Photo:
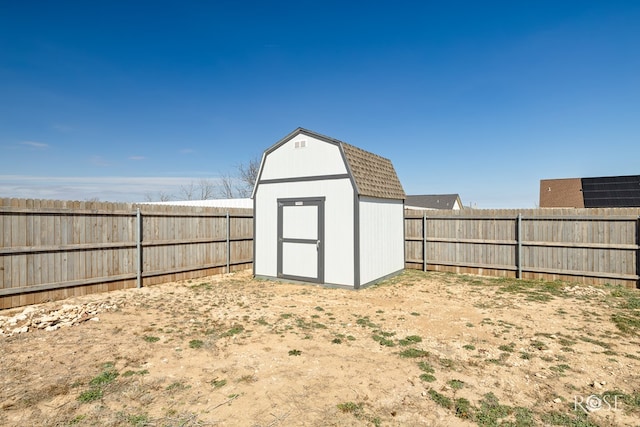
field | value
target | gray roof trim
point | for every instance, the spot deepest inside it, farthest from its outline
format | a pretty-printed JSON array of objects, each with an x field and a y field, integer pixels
[{"x": 433, "y": 201}]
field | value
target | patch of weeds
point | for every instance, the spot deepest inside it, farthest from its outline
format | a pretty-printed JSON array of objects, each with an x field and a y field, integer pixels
[
  {"x": 560, "y": 419},
  {"x": 383, "y": 341},
  {"x": 286, "y": 315},
  {"x": 523, "y": 416},
  {"x": 295, "y": 352},
  {"x": 539, "y": 345},
  {"x": 262, "y": 321},
  {"x": 318, "y": 308},
  {"x": 428, "y": 372},
  {"x": 632, "y": 356},
  {"x": 455, "y": 384},
  {"x": 216, "y": 383},
  {"x": 358, "y": 411},
  {"x": 526, "y": 356},
  {"x": 469, "y": 325},
  {"x": 248, "y": 378},
  {"x": 77, "y": 419},
  {"x": 469, "y": 347},
  {"x": 411, "y": 339},
  {"x": 138, "y": 420},
  {"x": 366, "y": 322},
  {"x": 104, "y": 378},
  {"x": 463, "y": 409},
  {"x": 236, "y": 329},
  {"x": 510, "y": 348},
  {"x": 351, "y": 338},
  {"x": 148, "y": 338},
  {"x": 594, "y": 341},
  {"x": 560, "y": 368},
  {"x": 566, "y": 342},
  {"x": 132, "y": 373},
  {"x": 440, "y": 399},
  {"x": 90, "y": 395},
  {"x": 627, "y": 324},
  {"x": 202, "y": 287},
  {"x": 426, "y": 367},
  {"x": 447, "y": 363},
  {"x": 336, "y": 340},
  {"x": 177, "y": 386},
  {"x": 414, "y": 313},
  {"x": 196, "y": 344},
  {"x": 411, "y": 353},
  {"x": 491, "y": 411},
  {"x": 429, "y": 378}
]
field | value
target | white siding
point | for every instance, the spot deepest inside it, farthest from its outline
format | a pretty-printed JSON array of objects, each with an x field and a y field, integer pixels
[
  {"x": 339, "y": 232},
  {"x": 381, "y": 238},
  {"x": 314, "y": 159}
]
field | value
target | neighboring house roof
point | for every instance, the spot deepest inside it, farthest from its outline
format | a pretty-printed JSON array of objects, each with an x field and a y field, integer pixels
[
  {"x": 597, "y": 192},
  {"x": 373, "y": 175},
  {"x": 433, "y": 201},
  {"x": 561, "y": 193}
]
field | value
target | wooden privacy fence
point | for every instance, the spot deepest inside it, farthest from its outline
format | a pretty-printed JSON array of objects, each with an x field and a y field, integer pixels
[
  {"x": 587, "y": 245},
  {"x": 57, "y": 249}
]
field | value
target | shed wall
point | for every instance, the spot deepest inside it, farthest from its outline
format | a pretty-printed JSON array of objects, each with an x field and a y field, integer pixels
[
  {"x": 339, "y": 223},
  {"x": 381, "y": 238}
]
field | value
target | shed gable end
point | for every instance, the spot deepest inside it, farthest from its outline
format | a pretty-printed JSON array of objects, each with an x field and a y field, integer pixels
[{"x": 303, "y": 156}]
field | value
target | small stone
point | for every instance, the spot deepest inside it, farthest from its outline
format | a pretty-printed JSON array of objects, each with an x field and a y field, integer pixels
[
  {"x": 95, "y": 319},
  {"x": 21, "y": 330},
  {"x": 597, "y": 385},
  {"x": 52, "y": 328},
  {"x": 557, "y": 400}
]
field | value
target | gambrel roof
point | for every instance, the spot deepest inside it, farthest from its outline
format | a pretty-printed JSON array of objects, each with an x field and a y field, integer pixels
[{"x": 373, "y": 175}]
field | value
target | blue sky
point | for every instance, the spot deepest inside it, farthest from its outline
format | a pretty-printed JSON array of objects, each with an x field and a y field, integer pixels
[{"x": 122, "y": 99}]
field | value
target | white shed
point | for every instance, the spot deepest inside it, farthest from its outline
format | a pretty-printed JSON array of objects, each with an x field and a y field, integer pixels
[{"x": 327, "y": 212}]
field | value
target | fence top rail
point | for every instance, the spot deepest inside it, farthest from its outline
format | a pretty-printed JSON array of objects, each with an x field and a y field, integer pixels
[
  {"x": 102, "y": 212},
  {"x": 528, "y": 218}
]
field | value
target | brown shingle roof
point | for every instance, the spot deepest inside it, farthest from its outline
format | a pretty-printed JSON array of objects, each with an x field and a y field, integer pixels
[{"x": 374, "y": 175}]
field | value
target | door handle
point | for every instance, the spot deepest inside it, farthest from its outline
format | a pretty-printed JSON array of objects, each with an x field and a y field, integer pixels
[{"x": 318, "y": 245}]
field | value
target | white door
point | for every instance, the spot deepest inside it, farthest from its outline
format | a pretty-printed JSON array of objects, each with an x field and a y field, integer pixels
[{"x": 300, "y": 239}]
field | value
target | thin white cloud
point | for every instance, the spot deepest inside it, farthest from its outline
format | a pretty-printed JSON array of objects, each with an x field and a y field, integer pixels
[
  {"x": 187, "y": 151},
  {"x": 99, "y": 161},
  {"x": 108, "y": 188},
  {"x": 136, "y": 157},
  {"x": 34, "y": 145}
]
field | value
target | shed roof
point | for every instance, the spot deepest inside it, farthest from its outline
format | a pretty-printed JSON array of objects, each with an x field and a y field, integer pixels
[
  {"x": 433, "y": 201},
  {"x": 373, "y": 175}
]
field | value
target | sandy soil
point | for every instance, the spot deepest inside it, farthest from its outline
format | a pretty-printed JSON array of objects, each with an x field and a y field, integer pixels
[{"x": 420, "y": 349}]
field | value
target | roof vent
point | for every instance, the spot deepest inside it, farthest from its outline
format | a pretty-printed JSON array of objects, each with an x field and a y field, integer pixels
[{"x": 300, "y": 144}]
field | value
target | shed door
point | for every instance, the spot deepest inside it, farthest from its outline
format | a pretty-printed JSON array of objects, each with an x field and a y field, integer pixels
[{"x": 301, "y": 239}]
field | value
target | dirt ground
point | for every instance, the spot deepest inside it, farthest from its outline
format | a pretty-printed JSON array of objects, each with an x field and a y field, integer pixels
[{"x": 421, "y": 349}]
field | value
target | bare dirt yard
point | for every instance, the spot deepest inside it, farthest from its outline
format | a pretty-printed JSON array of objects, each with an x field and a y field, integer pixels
[{"x": 421, "y": 349}]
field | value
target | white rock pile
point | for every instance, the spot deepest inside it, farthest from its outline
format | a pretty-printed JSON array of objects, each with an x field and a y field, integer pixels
[
  {"x": 584, "y": 291},
  {"x": 34, "y": 317}
]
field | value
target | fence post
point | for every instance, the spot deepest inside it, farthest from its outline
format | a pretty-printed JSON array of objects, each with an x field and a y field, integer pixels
[
  {"x": 638, "y": 253},
  {"x": 138, "y": 249},
  {"x": 519, "y": 246},
  {"x": 424, "y": 241},
  {"x": 228, "y": 242}
]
